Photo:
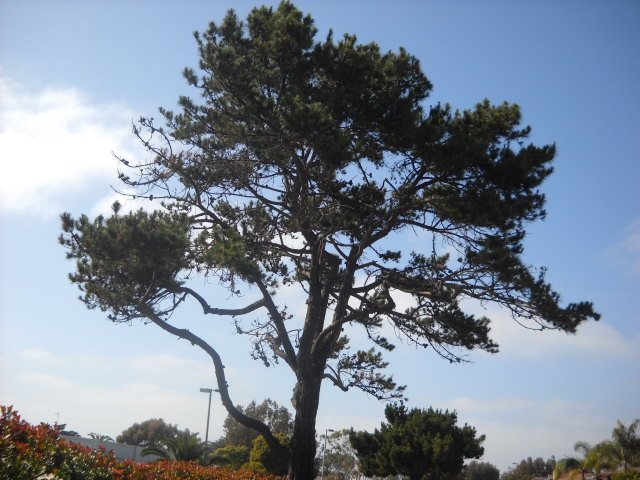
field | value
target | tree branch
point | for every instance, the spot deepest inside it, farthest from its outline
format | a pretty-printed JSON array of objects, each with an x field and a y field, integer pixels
[
  {"x": 207, "y": 309},
  {"x": 257, "y": 425},
  {"x": 280, "y": 327}
]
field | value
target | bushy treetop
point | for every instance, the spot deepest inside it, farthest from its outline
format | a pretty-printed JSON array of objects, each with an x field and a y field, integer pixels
[{"x": 421, "y": 444}]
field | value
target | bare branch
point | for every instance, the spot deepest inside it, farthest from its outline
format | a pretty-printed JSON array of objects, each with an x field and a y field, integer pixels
[
  {"x": 206, "y": 308},
  {"x": 278, "y": 321}
]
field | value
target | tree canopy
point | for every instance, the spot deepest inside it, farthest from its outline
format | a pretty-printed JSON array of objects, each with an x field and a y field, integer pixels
[
  {"x": 263, "y": 458},
  {"x": 339, "y": 458},
  {"x": 528, "y": 468},
  {"x": 277, "y": 417},
  {"x": 185, "y": 446},
  {"x": 627, "y": 443},
  {"x": 475, "y": 470},
  {"x": 148, "y": 432},
  {"x": 100, "y": 437},
  {"x": 305, "y": 164},
  {"x": 231, "y": 456},
  {"x": 621, "y": 451},
  {"x": 421, "y": 444}
]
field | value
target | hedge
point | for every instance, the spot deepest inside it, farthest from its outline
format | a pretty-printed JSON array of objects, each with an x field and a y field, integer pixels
[{"x": 28, "y": 451}]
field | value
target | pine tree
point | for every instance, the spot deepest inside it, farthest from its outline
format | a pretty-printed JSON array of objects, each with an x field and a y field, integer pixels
[{"x": 306, "y": 163}]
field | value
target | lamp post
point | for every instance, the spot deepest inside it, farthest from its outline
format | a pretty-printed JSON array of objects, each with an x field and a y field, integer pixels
[
  {"x": 324, "y": 451},
  {"x": 209, "y": 391}
]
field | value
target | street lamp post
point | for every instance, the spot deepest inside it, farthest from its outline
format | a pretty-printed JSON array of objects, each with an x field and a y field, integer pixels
[
  {"x": 209, "y": 391},
  {"x": 324, "y": 451}
]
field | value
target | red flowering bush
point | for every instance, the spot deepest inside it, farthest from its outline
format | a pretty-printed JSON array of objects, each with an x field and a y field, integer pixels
[{"x": 28, "y": 451}]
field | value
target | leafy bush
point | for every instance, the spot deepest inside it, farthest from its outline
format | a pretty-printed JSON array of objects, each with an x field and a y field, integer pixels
[
  {"x": 261, "y": 454},
  {"x": 232, "y": 456},
  {"x": 628, "y": 475},
  {"x": 28, "y": 451}
]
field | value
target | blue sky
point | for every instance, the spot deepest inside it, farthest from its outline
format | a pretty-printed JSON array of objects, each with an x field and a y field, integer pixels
[{"x": 74, "y": 74}]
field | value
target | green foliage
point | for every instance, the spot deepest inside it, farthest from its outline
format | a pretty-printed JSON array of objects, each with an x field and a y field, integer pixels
[
  {"x": 64, "y": 431},
  {"x": 605, "y": 454},
  {"x": 277, "y": 417},
  {"x": 185, "y": 446},
  {"x": 148, "y": 432},
  {"x": 627, "y": 441},
  {"x": 100, "y": 437},
  {"x": 126, "y": 260},
  {"x": 621, "y": 451},
  {"x": 421, "y": 444},
  {"x": 301, "y": 161},
  {"x": 538, "y": 467},
  {"x": 475, "y": 470},
  {"x": 273, "y": 462},
  {"x": 566, "y": 465},
  {"x": 627, "y": 475},
  {"x": 232, "y": 456}
]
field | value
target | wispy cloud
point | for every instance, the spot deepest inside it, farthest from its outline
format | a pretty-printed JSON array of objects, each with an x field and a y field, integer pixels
[
  {"x": 49, "y": 381},
  {"x": 626, "y": 252},
  {"x": 517, "y": 428},
  {"x": 35, "y": 354},
  {"x": 171, "y": 365},
  {"x": 145, "y": 386},
  {"x": 54, "y": 142},
  {"x": 593, "y": 339}
]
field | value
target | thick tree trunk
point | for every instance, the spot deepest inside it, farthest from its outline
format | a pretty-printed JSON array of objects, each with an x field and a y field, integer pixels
[{"x": 303, "y": 443}]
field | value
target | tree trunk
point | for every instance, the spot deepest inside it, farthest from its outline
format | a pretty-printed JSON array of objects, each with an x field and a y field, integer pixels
[{"x": 303, "y": 442}]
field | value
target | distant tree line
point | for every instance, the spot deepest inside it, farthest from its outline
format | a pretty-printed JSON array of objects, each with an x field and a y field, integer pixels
[
  {"x": 620, "y": 453},
  {"x": 239, "y": 447},
  {"x": 420, "y": 444}
]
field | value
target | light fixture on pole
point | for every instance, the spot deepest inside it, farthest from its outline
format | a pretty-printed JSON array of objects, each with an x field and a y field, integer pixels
[
  {"x": 324, "y": 451},
  {"x": 209, "y": 391}
]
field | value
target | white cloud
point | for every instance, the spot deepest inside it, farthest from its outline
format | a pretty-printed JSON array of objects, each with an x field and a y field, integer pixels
[
  {"x": 626, "y": 252},
  {"x": 48, "y": 381},
  {"x": 517, "y": 428},
  {"x": 107, "y": 395},
  {"x": 53, "y": 143},
  {"x": 169, "y": 365},
  {"x": 509, "y": 442},
  {"x": 593, "y": 339},
  {"x": 35, "y": 354},
  {"x": 472, "y": 405}
]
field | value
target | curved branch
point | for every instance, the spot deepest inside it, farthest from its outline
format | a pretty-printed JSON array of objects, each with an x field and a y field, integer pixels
[
  {"x": 278, "y": 321},
  {"x": 252, "y": 423},
  {"x": 336, "y": 381},
  {"x": 207, "y": 309},
  {"x": 367, "y": 288}
]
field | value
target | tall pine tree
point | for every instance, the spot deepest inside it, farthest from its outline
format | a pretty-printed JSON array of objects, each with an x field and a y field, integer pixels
[{"x": 305, "y": 163}]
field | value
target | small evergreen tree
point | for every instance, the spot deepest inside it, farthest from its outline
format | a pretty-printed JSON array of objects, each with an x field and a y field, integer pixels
[{"x": 421, "y": 444}]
